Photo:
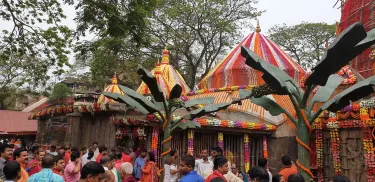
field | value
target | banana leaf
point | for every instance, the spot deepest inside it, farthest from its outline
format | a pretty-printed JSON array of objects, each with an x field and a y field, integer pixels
[
  {"x": 142, "y": 100},
  {"x": 205, "y": 100},
  {"x": 268, "y": 104},
  {"x": 354, "y": 93},
  {"x": 189, "y": 124},
  {"x": 128, "y": 100},
  {"x": 175, "y": 92},
  {"x": 207, "y": 110},
  {"x": 151, "y": 83},
  {"x": 350, "y": 43},
  {"x": 244, "y": 93}
]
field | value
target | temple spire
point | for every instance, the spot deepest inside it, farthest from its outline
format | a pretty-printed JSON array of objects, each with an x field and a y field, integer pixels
[
  {"x": 165, "y": 56},
  {"x": 114, "y": 79},
  {"x": 258, "y": 27}
]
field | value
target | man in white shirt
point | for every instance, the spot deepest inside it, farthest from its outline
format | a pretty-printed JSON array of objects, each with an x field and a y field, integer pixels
[
  {"x": 53, "y": 150},
  {"x": 204, "y": 164},
  {"x": 108, "y": 163},
  {"x": 263, "y": 162}
]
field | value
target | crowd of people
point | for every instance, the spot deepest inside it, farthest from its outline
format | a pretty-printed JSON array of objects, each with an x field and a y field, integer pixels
[{"x": 68, "y": 164}]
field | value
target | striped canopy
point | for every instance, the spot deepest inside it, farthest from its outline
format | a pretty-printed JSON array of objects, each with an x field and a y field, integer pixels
[
  {"x": 113, "y": 87},
  {"x": 166, "y": 76},
  {"x": 232, "y": 70}
]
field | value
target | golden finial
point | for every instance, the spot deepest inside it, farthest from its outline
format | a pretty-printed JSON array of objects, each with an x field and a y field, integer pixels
[{"x": 258, "y": 27}]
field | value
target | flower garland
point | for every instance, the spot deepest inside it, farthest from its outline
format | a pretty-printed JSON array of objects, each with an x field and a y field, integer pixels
[
  {"x": 235, "y": 124},
  {"x": 124, "y": 122},
  {"x": 335, "y": 142},
  {"x": 247, "y": 152},
  {"x": 231, "y": 88},
  {"x": 372, "y": 55},
  {"x": 368, "y": 147},
  {"x": 319, "y": 154},
  {"x": 351, "y": 77},
  {"x": 155, "y": 141},
  {"x": 59, "y": 109},
  {"x": 220, "y": 140},
  {"x": 265, "y": 150},
  {"x": 191, "y": 141},
  {"x": 93, "y": 107}
]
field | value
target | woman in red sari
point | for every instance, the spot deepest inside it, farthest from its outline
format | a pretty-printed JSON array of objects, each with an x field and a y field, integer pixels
[{"x": 149, "y": 171}]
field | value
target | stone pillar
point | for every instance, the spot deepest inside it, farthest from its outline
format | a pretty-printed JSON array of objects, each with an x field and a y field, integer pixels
[{"x": 73, "y": 133}]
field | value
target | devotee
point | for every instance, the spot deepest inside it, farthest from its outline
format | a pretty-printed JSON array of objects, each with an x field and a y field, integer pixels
[
  {"x": 83, "y": 151},
  {"x": 125, "y": 156},
  {"x": 126, "y": 172},
  {"x": 34, "y": 150},
  {"x": 132, "y": 155},
  {"x": 89, "y": 156},
  {"x": 118, "y": 160},
  {"x": 288, "y": 168},
  {"x": 92, "y": 171},
  {"x": 139, "y": 163},
  {"x": 12, "y": 171},
  {"x": 35, "y": 165},
  {"x": 108, "y": 176},
  {"x": 295, "y": 178},
  {"x": 103, "y": 151},
  {"x": 204, "y": 164},
  {"x": 72, "y": 170},
  {"x": 46, "y": 174},
  {"x": 217, "y": 152},
  {"x": 170, "y": 170},
  {"x": 67, "y": 154},
  {"x": 220, "y": 168},
  {"x": 59, "y": 166},
  {"x": 187, "y": 165},
  {"x": 149, "y": 171},
  {"x": 278, "y": 178},
  {"x": 53, "y": 150},
  {"x": 259, "y": 174},
  {"x": 22, "y": 157},
  {"x": 114, "y": 170},
  {"x": 5, "y": 154},
  {"x": 108, "y": 165},
  {"x": 263, "y": 162},
  {"x": 95, "y": 148},
  {"x": 235, "y": 175},
  {"x": 340, "y": 178}
]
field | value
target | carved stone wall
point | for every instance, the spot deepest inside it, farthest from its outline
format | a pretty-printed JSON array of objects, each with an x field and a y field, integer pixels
[{"x": 351, "y": 155}]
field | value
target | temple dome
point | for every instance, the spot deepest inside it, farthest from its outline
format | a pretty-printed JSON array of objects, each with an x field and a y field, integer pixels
[{"x": 113, "y": 87}]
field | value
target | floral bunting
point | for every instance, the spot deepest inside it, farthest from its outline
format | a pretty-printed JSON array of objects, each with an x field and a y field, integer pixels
[
  {"x": 235, "y": 124},
  {"x": 335, "y": 143},
  {"x": 265, "y": 150},
  {"x": 221, "y": 140},
  {"x": 319, "y": 154},
  {"x": 93, "y": 107},
  {"x": 155, "y": 141},
  {"x": 247, "y": 152},
  {"x": 369, "y": 149},
  {"x": 191, "y": 141},
  {"x": 59, "y": 109}
]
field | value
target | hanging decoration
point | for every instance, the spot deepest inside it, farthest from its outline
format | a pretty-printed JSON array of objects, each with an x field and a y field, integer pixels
[
  {"x": 235, "y": 124},
  {"x": 368, "y": 147},
  {"x": 191, "y": 141},
  {"x": 212, "y": 90},
  {"x": 55, "y": 110},
  {"x": 372, "y": 55},
  {"x": 124, "y": 122},
  {"x": 265, "y": 149},
  {"x": 93, "y": 107},
  {"x": 335, "y": 143},
  {"x": 221, "y": 140},
  {"x": 247, "y": 152},
  {"x": 319, "y": 154},
  {"x": 155, "y": 141},
  {"x": 349, "y": 73}
]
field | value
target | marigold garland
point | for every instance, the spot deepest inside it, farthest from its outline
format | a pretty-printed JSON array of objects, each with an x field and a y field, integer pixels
[
  {"x": 191, "y": 141},
  {"x": 335, "y": 143},
  {"x": 368, "y": 148},
  {"x": 220, "y": 140},
  {"x": 155, "y": 141},
  {"x": 265, "y": 148},
  {"x": 235, "y": 124},
  {"x": 247, "y": 152},
  {"x": 351, "y": 77},
  {"x": 59, "y": 109},
  {"x": 319, "y": 154}
]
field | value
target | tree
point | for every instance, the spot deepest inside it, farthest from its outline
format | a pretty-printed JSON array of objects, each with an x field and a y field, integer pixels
[
  {"x": 350, "y": 43},
  {"x": 305, "y": 42},
  {"x": 35, "y": 42},
  {"x": 60, "y": 91},
  {"x": 199, "y": 32},
  {"x": 163, "y": 107}
]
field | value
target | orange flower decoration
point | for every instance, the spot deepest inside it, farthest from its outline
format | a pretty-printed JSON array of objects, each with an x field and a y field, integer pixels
[
  {"x": 224, "y": 123},
  {"x": 356, "y": 107}
]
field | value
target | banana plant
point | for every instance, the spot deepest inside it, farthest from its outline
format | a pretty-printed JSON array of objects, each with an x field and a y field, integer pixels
[
  {"x": 350, "y": 43},
  {"x": 163, "y": 108}
]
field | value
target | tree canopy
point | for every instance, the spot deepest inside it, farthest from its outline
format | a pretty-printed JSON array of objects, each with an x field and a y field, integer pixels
[
  {"x": 60, "y": 91},
  {"x": 305, "y": 42}
]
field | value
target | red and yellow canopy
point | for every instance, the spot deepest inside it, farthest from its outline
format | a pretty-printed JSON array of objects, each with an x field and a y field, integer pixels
[
  {"x": 166, "y": 76},
  {"x": 232, "y": 70},
  {"x": 113, "y": 87}
]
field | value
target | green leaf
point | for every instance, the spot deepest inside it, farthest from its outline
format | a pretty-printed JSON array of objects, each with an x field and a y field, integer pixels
[
  {"x": 152, "y": 84},
  {"x": 205, "y": 100},
  {"x": 175, "y": 92},
  {"x": 324, "y": 93},
  {"x": 126, "y": 99},
  {"x": 268, "y": 104},
  {"x": 245, "y": 93},
  {"x": 147, "y": 104},
  {"x": 273, "y": 76},
  {"x": 189, "y": 124},
  {"x": 350, "y": 43},
  {"x": 354, "y": 93},
  {"x": 208, "y": 109}
]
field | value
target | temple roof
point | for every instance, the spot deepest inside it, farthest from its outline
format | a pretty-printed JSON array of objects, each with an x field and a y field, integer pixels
[
  {"x": 113, "y": 87},
  {"x": 166, "y": 76},
  {"x": 232, "y": 70}
]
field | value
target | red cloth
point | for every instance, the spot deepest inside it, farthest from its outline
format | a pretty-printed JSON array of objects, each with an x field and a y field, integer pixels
[
  {"x": 127, "y": 158},
  {"x": 287, "y": 171},
  {"x": 118, "y": 164},
  {"x": 59, "y": 173},
  {"x": 130, "y": 179},
  {"x": 66, "y": 158},
  {"x": 36, "y": 168},
  {"x": 98, "y": 158},
  {"x": 215, "y": 174}
]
